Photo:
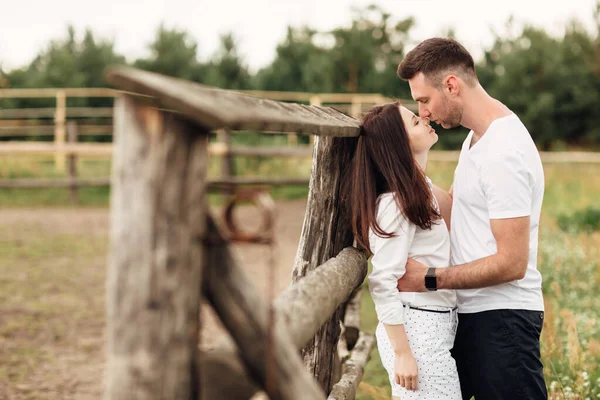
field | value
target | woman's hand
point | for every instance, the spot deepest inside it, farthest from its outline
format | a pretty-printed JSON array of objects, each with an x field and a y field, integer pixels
[
  {"x": 405, "y": 370},
  {"x": 405, "y": 366}
]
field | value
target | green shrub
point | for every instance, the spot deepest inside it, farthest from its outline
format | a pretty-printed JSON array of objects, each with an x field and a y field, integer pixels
[{"x": 585, "y": 220}]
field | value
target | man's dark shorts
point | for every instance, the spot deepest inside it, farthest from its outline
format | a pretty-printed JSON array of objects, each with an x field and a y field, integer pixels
[{"x": 497, "y": 354}]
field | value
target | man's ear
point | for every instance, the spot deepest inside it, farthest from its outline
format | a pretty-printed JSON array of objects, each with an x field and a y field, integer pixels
[{"x": 451, "y": 85}]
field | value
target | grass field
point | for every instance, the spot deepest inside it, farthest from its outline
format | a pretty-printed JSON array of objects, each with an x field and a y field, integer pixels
[{"x": 569, "y": 262}]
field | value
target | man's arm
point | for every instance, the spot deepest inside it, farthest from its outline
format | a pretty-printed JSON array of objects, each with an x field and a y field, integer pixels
[
  {"x": 444, "y": 200},
  {"x": 508, "y": 264}
]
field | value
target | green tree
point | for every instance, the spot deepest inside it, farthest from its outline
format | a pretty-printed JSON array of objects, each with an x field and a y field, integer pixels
[
  {"x": 300, "y": 65},
  {"x": 549, "y": 82},
  {"x": 173, "y": 53},
  {"x": 361, "y": 58},
  {"x": 67, "y": 62},
  {"x": 366, "y": 55},
  {"x": 226, "y": 70}
]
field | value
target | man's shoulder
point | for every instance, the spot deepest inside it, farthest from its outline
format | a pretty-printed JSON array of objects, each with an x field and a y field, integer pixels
[
  {"x": 510, "y": 131},
  {"x": 508, "y": 137}
]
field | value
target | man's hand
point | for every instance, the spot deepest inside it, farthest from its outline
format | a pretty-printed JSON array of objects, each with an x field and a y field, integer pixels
[{"x": 414, "y": 277}]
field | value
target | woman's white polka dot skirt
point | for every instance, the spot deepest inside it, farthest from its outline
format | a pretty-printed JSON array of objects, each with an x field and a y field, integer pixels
[{"x": 430, "y": 336}]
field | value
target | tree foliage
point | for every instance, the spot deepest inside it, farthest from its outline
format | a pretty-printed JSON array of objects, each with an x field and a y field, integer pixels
[{"x": 552, "y": 83}]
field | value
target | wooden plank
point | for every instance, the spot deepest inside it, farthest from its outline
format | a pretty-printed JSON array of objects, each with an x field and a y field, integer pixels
[
  {"x": 31, "y": 130},
  {"x": 72, "y": 161},
  {"x": 353, "y": 369},
  {"x": 11, "y": 123},
  {"x": 227, "y": 166},
  {"x": 325, "y": 232},
  {"x": 579, "y": 157},
  {"x": 31, "y": 183},
  {"x": 156, "y": 257},
  {"x": 217, "y": 149},
  {"x": 34, "y": 113},
  {"x": 60, "y": 130},
  {"x": 48, "y": 148},
  {"x": 51, "y": 92},
  {"x": 445, "y": 156},
  {"x": 48, "y": 130},
  {"x": 213, "y": 185},
  {"x": 96, "y": 130},
  {"x": 257, "y": 181},
  {"x": 219, "y": 109},
  {"x": 245, "y": 315},
  {"x": 308, "y": 303}
]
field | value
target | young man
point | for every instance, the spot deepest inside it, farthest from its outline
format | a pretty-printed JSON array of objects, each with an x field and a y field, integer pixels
[{"x": 497, "y": 199}]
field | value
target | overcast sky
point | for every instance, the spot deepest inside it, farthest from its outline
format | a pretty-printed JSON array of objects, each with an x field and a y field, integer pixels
[{"x": 26, "y": 26}]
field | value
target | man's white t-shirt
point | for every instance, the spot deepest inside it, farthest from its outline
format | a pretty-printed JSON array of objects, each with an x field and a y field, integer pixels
[{"x": 500, "y": 176}]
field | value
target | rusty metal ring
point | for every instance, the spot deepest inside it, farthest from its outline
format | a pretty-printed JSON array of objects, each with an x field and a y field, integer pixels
[{"x": 266, "y": 206}]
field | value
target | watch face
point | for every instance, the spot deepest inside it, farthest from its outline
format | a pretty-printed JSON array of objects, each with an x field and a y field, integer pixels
[{"x": 430, "y": 282}]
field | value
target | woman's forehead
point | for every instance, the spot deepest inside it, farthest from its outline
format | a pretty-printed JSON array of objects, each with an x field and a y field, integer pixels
[{"x": 406, "y": 113}]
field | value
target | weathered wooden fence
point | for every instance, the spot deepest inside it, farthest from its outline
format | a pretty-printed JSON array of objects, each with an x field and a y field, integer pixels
[
  {"x": 67, "y": 124},
  {"x": 167, "y": 253}
]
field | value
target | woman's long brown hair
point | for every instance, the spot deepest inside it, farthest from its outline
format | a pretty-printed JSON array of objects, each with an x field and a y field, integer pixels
[{"x": 383, "y": 162}]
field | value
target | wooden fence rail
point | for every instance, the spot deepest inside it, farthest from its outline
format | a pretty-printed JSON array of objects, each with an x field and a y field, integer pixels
[
  {"x": 16, "y": 148},
  {"x": 226, "y": 183},
  {"x": 52, "y": 122},
  {"x": 26, "y": 122}
]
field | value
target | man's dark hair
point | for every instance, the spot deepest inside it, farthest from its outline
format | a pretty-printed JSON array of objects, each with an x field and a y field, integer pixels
[{"x": 437, "y": 57}]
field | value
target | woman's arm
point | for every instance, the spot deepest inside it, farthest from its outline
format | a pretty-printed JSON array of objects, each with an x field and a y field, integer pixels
[
  {"x": 389, "y": 259},
  {"x": 405, "y": 366}
]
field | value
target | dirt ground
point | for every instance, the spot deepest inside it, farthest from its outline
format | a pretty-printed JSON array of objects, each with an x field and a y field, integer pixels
[{"x": 52, "y": 276}]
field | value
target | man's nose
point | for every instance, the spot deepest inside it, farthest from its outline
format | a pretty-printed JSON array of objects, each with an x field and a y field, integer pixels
[{"x": 423, "y": 111}]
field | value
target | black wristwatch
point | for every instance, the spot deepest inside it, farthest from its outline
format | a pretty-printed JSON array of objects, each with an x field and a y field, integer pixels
[{"x": 431, "y": 280}]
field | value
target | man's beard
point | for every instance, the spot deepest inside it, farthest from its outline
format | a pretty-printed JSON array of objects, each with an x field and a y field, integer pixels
[{"x": 452, "y": 115}]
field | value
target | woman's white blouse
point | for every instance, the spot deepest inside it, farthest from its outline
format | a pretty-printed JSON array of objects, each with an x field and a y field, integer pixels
[{"x": 430, "y": 247}]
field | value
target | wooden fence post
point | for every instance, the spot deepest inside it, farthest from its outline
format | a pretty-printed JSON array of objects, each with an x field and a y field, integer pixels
[
  {"x": 227, "y": 166},
  {"x": 72, "y": 161},
  {"x": 314, "y": 101},
  {"x": 158, "y": 223},
  {"x": 60, "y": 117},
  {"x": 356, "y": 108},
  {"x": 326, "y": 231}
]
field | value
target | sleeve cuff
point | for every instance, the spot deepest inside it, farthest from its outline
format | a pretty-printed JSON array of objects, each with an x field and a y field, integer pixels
[
  {"x": 509, "y": 214},
  {"x": 391, "y": 313}
]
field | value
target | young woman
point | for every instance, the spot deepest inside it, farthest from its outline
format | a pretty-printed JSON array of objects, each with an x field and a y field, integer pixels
[{"x": 395, "y": 216}]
